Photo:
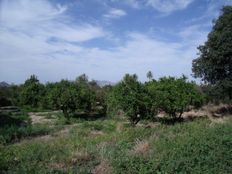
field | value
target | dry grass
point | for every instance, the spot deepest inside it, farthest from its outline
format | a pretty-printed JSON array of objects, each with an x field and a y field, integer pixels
[
  {"x": 38, "y": 117},
  {"x": 222, "y": 109},
  {"x": 195, "y": 114},
  {"x": 95, "y": 133},
  {"x": 57, "y": 165},
  {"x": 211, "y": 111},
  {"x": 120, "y": 127},
  {"x": 43, "y": 138},
  {"x": 141, "y": 147},
  {"x": 81, "y": 156},
  {"x": 103, "y": 168}
]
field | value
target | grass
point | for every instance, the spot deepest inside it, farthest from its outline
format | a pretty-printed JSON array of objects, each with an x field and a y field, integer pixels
[
  {"x": 111, "y": 146},
  {"x": 14, "y": 128}
]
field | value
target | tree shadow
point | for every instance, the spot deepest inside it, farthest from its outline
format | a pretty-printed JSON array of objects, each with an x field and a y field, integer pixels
[
  {"x": 169, "y": 121},
  {"x": 7, "y": 119},
  {"x": 89, "y": 116}
]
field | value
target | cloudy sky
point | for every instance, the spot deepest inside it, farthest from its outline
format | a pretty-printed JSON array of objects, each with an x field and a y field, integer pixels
[{"x": 105, "y": 39}]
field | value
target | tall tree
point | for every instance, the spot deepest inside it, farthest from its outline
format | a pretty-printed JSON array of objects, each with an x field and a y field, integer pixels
[
  {"x": 214, "y": 64},
  {"x": 174, "y": 95},
  {"x": 149, "y": 75},
  {"x": 31, "y": 92},
  {"x": 130, "y": 96}
]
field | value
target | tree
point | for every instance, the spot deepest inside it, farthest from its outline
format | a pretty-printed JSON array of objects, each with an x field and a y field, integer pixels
[
  {"x": 174, "y": 95},
  {"x": 64, "y": 96},
  {"x": 86, "y": 95},
  {"x": 32, "y": 91},
  {"x": 130, "y": 96},
  {"x": 149, "y": 75},
  {"x": 214, "y": 64}
]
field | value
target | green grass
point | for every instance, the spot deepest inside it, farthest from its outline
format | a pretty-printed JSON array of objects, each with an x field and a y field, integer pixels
[
  {"x": 9, "y": 134},
  {"x": 193, "y": 147}
]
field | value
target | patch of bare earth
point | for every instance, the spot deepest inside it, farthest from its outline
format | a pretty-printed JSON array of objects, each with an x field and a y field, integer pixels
[
  {"x": 40, "y": 117},
  {"x": 103, "y": 168}
]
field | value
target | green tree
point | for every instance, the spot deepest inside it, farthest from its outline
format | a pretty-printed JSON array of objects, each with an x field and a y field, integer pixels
[
  {"x": 149, "y": 75},
  {"x": 130, "y": 96},
  {"x": 214, "y": 64},
  {"x": 64, "y": 96},
  {"x": 86, "y": 94},
  {"x": 174, "y": 95},
  {"x": 31, "y": 92}
]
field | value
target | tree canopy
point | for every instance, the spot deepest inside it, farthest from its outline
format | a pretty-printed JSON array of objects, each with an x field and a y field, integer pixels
[
  {"x": 174, "y": 95},
  {"x": 214, "y": 64}
]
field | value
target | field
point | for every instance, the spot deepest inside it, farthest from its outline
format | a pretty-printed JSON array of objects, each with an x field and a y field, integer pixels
[{"x": 110, "y": 145}]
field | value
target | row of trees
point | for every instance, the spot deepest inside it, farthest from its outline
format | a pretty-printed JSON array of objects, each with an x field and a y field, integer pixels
[
  {"x": 135, "y": 99},
  {"x": 141, "y": 100},
  {"x": 145, "y": 100},
  {"x": 69, "y": 96}
]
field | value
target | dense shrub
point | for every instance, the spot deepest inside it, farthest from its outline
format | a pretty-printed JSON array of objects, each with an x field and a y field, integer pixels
[
  {"x": 174, "y": 95},
  {"x": 130, "y": 96},
  {"x": 32, "y": 92},
  {"x": 14, "y": 133}
]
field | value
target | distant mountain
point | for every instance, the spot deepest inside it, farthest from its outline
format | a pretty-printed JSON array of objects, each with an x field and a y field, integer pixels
[
  {"x": 104, "y": 83},
  {"x": 4, "y": 84}
]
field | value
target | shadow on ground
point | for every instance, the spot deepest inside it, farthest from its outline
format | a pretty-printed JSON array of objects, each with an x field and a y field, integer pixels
[{"x": 89, "y": 116}]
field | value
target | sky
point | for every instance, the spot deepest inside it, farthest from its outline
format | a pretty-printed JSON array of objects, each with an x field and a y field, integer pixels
[{"x": 105, "y": 39}]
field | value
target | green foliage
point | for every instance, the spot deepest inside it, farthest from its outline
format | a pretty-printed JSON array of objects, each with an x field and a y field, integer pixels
[
  {"x": 184, "y": 148},
  {"x": 214, "y": 64},
  {"x": 139, "y": 101},
  {"x": 14, "y": 133},
  {"x": 15, "y": 127},
  {"x": 130, "y": 96},
  {"x": 193, "y": 147},
  {"x": 64, "y": 96},
  {"x": 32, "y": 92},
  {"x": 174, "y": 95},
  {"x": 5, "y": 102},
  {"x": 9, "y": 95},
  {"x": 71, "y": 96},
  {"x": 86, "y": 95},
  {"x": 149, "y": 75}
]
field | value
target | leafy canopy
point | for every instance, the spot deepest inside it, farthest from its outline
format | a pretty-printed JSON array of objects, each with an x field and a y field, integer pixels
[
  {"x": 214, "y": 64},
  {"x": 130, "y": 96},
  {"x": 174, "y": 95}
]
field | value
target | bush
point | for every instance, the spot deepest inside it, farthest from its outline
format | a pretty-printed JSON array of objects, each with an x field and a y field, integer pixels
[
  {"x": 14, "y": 133},
  {"x": 174, "y": 95},
  {"x": 130, "y": 96}
]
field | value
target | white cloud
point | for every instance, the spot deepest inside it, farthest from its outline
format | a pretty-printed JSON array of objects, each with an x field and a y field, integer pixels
[
  {"x": 115, "y": 13},
  {"x": 42, "y": 19},
  {"x": 163, "y": 6},
  {"x": 169, "y": 6},
  {"x": 138, "y": 54},
  {"x": 27, "y": 47},
  {"x": 24, "y": 11}
]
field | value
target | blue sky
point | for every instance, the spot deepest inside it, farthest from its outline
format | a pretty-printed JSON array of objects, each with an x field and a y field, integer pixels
[{"x": 105, "y": 39}]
